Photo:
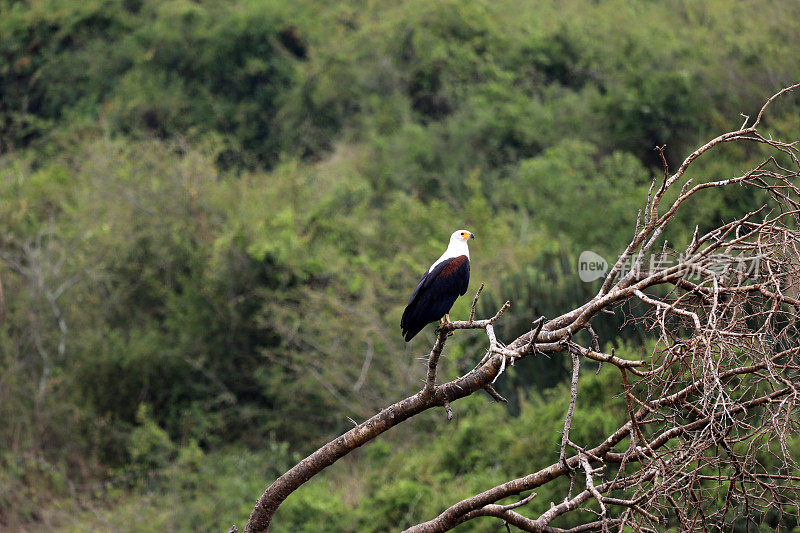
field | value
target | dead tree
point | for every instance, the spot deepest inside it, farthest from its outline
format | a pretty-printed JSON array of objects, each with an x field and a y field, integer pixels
[{"x": 717, "y": 393}]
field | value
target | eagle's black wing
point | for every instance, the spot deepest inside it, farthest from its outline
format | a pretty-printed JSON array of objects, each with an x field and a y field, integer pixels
[{"x": 435, "y": 294}]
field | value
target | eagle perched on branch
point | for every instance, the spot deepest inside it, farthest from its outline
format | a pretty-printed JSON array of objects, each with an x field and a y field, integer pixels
[{"x": 439, "y": 287}]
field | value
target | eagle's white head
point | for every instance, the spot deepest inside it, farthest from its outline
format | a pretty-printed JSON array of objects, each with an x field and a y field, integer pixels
[
  {"x": 458, "y": 245},
  {"x": 461, "y": 235}
]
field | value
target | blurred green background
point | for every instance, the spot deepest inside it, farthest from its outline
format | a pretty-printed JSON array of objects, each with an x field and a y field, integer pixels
[{"x": 213, "y": 214}]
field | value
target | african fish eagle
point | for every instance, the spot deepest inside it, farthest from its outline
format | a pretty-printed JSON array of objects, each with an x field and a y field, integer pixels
[{"x": 437, "y": 290}]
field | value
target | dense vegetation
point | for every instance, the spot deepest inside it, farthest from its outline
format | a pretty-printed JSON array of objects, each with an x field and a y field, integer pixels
[{"x": 213, "y": 212}]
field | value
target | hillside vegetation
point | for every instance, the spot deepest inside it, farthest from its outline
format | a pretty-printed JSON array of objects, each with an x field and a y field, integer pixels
[{"x": 213, "y": 214}]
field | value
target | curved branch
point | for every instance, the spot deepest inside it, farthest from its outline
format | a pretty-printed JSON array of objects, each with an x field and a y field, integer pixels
[{"x": 430, "y": 396}]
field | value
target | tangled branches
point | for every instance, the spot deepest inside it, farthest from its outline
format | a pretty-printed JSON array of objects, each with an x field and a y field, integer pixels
[{"x": 717, "y": 395}]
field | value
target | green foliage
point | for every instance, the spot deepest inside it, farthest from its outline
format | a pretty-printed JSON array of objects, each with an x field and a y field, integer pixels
[
  {"x": 566, "y": 184},
  {"x": 321, "y": 507},
  {"x": 195, "y": 491},
  {"x": 149, "y": 445},
  {"x": 155, "y": 68}
]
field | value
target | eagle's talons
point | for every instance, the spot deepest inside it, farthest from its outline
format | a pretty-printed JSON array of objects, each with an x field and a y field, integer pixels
[{"x": 443, "y": 322}]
